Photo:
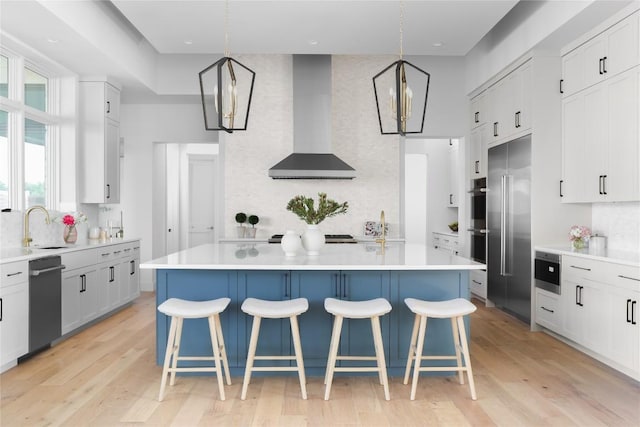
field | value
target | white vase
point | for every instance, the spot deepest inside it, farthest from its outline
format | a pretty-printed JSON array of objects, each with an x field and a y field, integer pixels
[
  {"x": 290, "y": 243},
  {"x": 312, "y": 239}
]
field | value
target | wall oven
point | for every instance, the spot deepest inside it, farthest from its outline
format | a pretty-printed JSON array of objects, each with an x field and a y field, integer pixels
[{"x": 478, "y": 223}]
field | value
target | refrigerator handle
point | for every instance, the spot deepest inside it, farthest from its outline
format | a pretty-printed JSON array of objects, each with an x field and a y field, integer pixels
[{"x": 503, "y": 223}]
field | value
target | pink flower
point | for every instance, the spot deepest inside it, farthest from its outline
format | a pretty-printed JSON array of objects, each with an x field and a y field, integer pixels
[{"x": 68, "y": 220}]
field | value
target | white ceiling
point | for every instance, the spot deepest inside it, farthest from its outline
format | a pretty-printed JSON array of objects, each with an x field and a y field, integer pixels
[{"x": 338, "y": 27}]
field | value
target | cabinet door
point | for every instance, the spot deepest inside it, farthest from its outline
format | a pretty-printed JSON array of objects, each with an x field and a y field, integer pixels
[
  {"x": 478, "y": 283},
  {"x": 316, "y": 324},
  {"x": 14, "y": 322},
  {"x": 593, "y": 53},
  {"x": 573, "y": 311},
  {"x": 72, "y": 288},
  {"x": 522, "y": 102},
  {"x": 107, "y": 289},
  {"x": 357, "y": 336},
  {"x": 478, "y": 146},
  {"x": 573, "y": 72},
  {"x": 595, "y": 137},
  {"x": 597, "y": 321},
  {"x": 452, "y": 201},
  {"x": 112, "y": 103},
  {"x": 275, "y": 334},
  {"x": 622, "y": 46},
  {"x": 574, "y": 156},
  {"x": 622, "y": 150},
  {"x": 134, "y": 279},
  {"x": 90, "y": 304},
  {"x": 625, "y": 328},
  {"x": 112, "y": 163},
  {"x": 478, "y": 111},
  {"x": 123, "y": 281}
]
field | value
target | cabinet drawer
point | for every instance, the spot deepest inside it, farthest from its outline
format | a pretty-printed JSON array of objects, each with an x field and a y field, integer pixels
[
  {"x": 576, "y": 267},
  {"x": 478, "y": 283},
  {"x": 118, "y": 251},
  {"x": 14, "y": 272},
  {"x": 105, "y": 254},
  {"x": 79, "y": 259},
  {"x": 547, "y": 306},
  {"x": 624, "y": 276}
]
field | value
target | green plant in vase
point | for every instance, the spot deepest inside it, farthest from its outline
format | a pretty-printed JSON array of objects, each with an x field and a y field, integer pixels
[
  {"x": 241, "y": 218},
  {"x": 251, "y": 232}
]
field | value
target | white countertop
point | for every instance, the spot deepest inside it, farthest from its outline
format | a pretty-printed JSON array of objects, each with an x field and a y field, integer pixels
[
  {"x": 447, "y": 233},
  {"x": 22, "y": 254},
  {"x": 361, "y": 256},
  {"x": 609, "y": 255}
]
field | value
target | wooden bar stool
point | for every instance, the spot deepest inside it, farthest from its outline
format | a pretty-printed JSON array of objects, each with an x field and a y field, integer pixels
[
  {"x": 179, "y": 310},
  {"x": 454, "y": 309},
  {"x": 274, "y": 310},
  {"x": 371, "y": 309}
]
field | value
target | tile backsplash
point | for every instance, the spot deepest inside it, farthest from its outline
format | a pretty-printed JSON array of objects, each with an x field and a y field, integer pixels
[
  {"x": 11, "y": 229},
  {"x": 619, "y": 222}
]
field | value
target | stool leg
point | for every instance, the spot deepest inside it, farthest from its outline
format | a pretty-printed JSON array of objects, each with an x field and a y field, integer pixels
[
  {"x": 412, "y": 348},
  {"x": 295, "y": 333},
  {"x": 456, "y": 344},
  {"x": 213, "y": 331},
  {"x": 253, "y": 343},
  {"x": 174, "y": 363},
  {"x": 223, "y": 349},
  {"x": 379, "y": 346},
  {"x": 167, "y": 357},
  {"x": 333, "y": 354},
  {"x": 467, "y": 359},
  {"x": 418, "y": 360}
]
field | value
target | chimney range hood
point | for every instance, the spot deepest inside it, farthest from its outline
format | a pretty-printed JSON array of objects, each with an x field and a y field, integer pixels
[{"x": 312, "y": 157}]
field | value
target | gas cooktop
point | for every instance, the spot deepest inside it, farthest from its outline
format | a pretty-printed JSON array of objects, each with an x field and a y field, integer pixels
[{"x": 329, "y": 238}]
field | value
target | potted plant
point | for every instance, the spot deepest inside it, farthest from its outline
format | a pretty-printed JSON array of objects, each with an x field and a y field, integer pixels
[
  {"x": 305, "y": 208},
  {"x": 251, "y": 232},
  {"x": 241, "y": 218}
]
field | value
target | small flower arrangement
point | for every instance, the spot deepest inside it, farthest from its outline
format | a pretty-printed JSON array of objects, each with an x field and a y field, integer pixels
[
  {"x": 579, "y": 236},
  {"x": 305, "y": 209},
  {"x": 72, "y": 219}
]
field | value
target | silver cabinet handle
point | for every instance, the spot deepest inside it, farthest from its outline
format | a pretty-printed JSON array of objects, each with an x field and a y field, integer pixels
[
  {"x": 627, "y": 277},
  {"x": 34, "y": 273},
  {"x": 581, "y": 268}
]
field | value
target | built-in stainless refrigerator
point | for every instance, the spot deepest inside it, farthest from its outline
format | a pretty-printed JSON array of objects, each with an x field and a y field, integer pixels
[{"x": 509, "y": 224}]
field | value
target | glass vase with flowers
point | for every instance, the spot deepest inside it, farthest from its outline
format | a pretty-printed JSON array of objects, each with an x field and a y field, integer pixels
[
  {"x": 579, "y": 236},
  {"x": 70, "y": 221}
]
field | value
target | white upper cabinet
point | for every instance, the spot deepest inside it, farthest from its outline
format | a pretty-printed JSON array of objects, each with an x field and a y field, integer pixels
[
  {"x": 478, "y": 152},
  {"x": 478, "y": 111},
  {"x": 510, "y": 105},
  {"x": 609, "y": 53},
  {"x": 600, "y": 118},
  {"x": 99, "y": 143},
  {"x": 454, "y": 171}
]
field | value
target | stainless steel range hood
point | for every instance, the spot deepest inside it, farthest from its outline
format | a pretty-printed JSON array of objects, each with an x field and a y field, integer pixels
[{"x": 312, "y": 157}]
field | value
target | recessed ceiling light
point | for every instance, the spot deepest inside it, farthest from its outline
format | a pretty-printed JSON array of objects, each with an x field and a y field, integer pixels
[
  {"x": 438, "y": 44},
  {"x": 52, "y": 40},
  {"x": 313, "y": 42},
  {"x": 188, "y": 42}
]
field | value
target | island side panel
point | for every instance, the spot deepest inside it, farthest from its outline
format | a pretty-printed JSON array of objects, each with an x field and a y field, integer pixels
[
  {"x": 426, "y": 285},
  {"x": 198, "y": 285}
]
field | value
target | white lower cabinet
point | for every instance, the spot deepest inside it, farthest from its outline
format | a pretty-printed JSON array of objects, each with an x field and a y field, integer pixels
[
  {"x": 599, "y": 306},
  {"x": 14, "y": 322},
  {"x": 79, "y": 298},
  {"x": 478, "y": 283},
  {"x": 548, "y": 312},
  {"x": 447, "y": 242}
]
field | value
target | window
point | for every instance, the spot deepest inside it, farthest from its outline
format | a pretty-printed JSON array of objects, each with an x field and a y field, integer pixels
[
  {"x": 35, "y": 90},
  {"x": 28, "y": 147},
  {"x": 4, "y": 159},
  {"x": 4, "y": 76}
]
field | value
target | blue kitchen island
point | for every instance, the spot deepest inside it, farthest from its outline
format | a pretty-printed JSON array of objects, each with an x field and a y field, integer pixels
[{"x": 347, "y": 271}]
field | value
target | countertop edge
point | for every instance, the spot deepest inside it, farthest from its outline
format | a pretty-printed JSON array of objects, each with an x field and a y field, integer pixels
[
  {"x": 632, "y": 258},
  {"x": 39, "y": 253}
]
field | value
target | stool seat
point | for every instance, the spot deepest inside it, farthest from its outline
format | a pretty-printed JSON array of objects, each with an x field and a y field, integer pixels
[
  {"x": 357, "y": 309},
  {"x": 193, "y": 309},
  {"x": 440, "y": 309},
  {"x": 275, "y": 309}
]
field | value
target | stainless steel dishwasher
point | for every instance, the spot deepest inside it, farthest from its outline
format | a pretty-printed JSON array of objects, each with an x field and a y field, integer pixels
[{"x": 45, "y": 301}]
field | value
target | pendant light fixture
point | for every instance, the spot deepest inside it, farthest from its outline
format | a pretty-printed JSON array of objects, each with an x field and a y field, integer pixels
[
  {"x": 226, "y": 87},
  {"x": 398, "y": 88}
]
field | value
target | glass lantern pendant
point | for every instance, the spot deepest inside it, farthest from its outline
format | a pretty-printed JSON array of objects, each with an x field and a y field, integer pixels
[
  {"x": 400, "y": 89},
  {"x": 226, "y": 87}
]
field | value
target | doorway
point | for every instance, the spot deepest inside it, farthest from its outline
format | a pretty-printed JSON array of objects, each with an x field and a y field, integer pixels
[{"x": 179, "y": 205}]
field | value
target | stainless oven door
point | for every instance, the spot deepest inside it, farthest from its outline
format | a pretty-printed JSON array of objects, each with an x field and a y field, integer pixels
[{"x": 479, "y": 244}]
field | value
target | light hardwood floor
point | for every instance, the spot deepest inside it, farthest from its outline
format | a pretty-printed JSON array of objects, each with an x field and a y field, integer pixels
[{"x": 107, "y": 376}]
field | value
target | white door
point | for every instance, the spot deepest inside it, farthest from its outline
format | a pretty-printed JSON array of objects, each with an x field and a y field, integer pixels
[{"x": 201, "y": 200}]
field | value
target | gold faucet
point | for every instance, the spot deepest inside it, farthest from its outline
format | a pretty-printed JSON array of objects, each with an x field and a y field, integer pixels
[
  {"x": 26, "y": 239},
  {"x": 382, "y": 240}
]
